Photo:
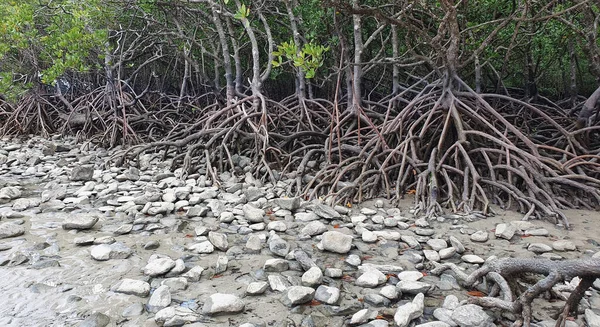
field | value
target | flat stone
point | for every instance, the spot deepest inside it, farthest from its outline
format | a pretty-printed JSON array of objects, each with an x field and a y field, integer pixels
[
  {"x": 278, "y": 283},
  {"x": 539, "y": 247},
  {"x": 362, "y": 316},
  {"x": 132, "y": 286},
  {"x": 447, "y": 253},
  {"x": 276, "y": 265},
  {"x": 295, "y": 295},
  {"x": 160, "y": 298},
  {"x": 175, "y": 316},
  {"x": 11, "y": 230},
  {"x": 471, "y": 258},
  {"x": 202, "y": 247},
  {"x": 305, "y": 216},
  {"x": 223, "y": 303},
  {"x": 471, "y": 315},
  {"x": 480, "y": 236},
  {"x": 431, "y": 255},
  {"x": 257, "y": 288},
  {"x": 412, "y": 287},
  {"x": 279, "y": 246},
  {"x": 278, "y": 226},
  {"x": 325, "y": 211},
  {"x": 115, "y": 250},
  {"x": 79, "y": 222},
  {"x": 460, "y": 248},
  {"x": 437, "y": 244},
  {"x": 410, "y": 275},
  {"x": 158, "y": 266},
  {"x": 336, "y": 242},
  {"x": 194, "y": 274},
  {"x": 82, "y": 173},
  {"x": 287, "y": 203},
  {"x": 564, "y": 245},
  {"x": 314, "y": 228},
  {"x": 390, "y": 292},
  {"x": 592, "y": 319},
  {"x": 505, "y": 231},
  {"x": 371, "y": 278}
]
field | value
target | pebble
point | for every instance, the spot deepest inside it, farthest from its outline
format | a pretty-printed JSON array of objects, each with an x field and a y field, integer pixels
[
  {"x": 312, "y": 277},
  {"x": 80, "y": 222},
  {"x": 257, "y": 288},
  {"x": 539, "y": 247},
  {"x": 160, "y": 298},
  {"x": 505, "y": 231},
  {"x": 471, "y": 315},
  {"x": 223, "y": 303},
  {"x": 11, "y": 230},
  {"x": 371, "y": 278},
  {"x": 413, "y": 287},
  {"x": 314, "y": 228},
  {"x": 336, "y": 242},
  {"x": 479, "y": 236},
  {"x": 132, "y": 286},
  {"x": 115, "y": 250},
  {"x": 158, "y": 266},
  {"x": 564, "y": 245},
  {"x": 471, "y": 258},
  {"x": 219, "y": 240},
  {"x": 295, "y": 295}
]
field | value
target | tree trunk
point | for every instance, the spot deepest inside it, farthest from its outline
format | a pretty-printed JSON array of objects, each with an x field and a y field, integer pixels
[
  {"x": 230, "y": 88},
  {"x": 357, "y": 72}
]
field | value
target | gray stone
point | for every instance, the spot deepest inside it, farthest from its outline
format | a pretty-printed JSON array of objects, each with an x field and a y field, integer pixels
[
  {"x": 444, "y": 315},
  {"x": 471, "y": 258},
  {"x": 327, "y": 295},
  {"x": 223, "y": 303},
  {"x": 133, "y": 310},
  {"x": 278, "y": 283},
  {"x": 437, "y": 244},
  {"x": 312, "y": 277},
  {"x": 278, "y": 226},
  {"x": 539, "y": 247},
  {"x": 194, "y": 274},
  {"x": 362, "y": 316},
  {"x": 334, "y": 272},
  {"x": 132, "y": 286},
  {"x": 314, "y": 228},
  {"x": 276, "y": 265},
  {"x": 202, "y": 247},
  {"x": 410, "y": 275},
  {"x": 115, "y": 250},
  {"x": 479, "y": 236},
  {"x": 253, "y": 214},
  {"x": 257, "y": 288},
  {"x": 460, "y": 248},
  {"x": 96, "y": 319},
  {"x": 79, "y": 222},
  {"x": 305, "y": 216},
  {"x": 412, "y": 287},
  {"x": 221, "y": 265},
  {"x": 368, "y": 237},
  {"x": 371, "y": 278},
  {"x": 434, "y": 324},
  {"x": 158, "y": 266},
  {"x": 278, "y": 246},
  {"x": 175, "y": 316},
  {"x": 325, "y": 211},
  {"x": 160, "y": 298},
  {"x": 431, "y": 255},
  {"x": 592, "y": 319},
  {"x": 336, "y": 242},
  {"x": 353, "y": 260},
  {"x": 471, "y": 315},
  {"x": 409, "y": 311},
  {"x": 447, "y": 253},
  {"x": 287, "y": 203},
  {"x": 564, "y": 245},
  {"x": 390, "y": 292},
  {"x": 505, "y": 231},
  {"x": 304, "y": 259},
  {"x": 8, "y": 193},
  {"x": 295, "y": 295},
  {"x": 82, "y": 173},
  {"x": 254, "y": 243},
  {"x": 219, "y": 240},
  {"x": 11, "y": 230}
]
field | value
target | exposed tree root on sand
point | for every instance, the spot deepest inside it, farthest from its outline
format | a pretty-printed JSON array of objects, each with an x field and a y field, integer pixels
[{"x": 501, "y": 277}]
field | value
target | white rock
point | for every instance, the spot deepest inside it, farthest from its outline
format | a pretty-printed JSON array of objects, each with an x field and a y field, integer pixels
[
  {"x": 413, "y": 287},
  {"x": 159, "y": 266},
  {"x": 371, "y": 278},
  {"x": 480, "y": 236},
  {"x": 219, "y": 240},
  {"x": 202, "y": 247},
  {"x": 132, "y": 286},
  {"x": 314, "y": 228},
  {"x": 471, "y": 315},
  {"x": 447, "y": 253},
  {"x": 564, "y": 245},
  {"x": 312, "y": 277},
  {"x": 297, "y": 295},
  {"x": 390, "y": 292},
  {"x": 592, "y": 319},
  {"x": 175, "y": 316},
  {"x": 505, "y": 231},
  {"x": 539, "y": 247},
  {"x": 327, "y": 295},
  {"x": 276, "y": 265},
  {"x": 278, "y": 226},
  {"x": 256, "y": 288},
  {"x": 160, "y": 298},
  {"x": 362, "y": 316},
  {"x": 471, "y": 258},
  {"x": 437, "y": 244},
  {"x": 410, "y": 275},
  {"x": 223, "y": 303},
  {"x": 409, "y": 311},
  {"x": 368, "y": 236},
  {"x": 194, "y": 274},
  {"x": 336, "y": 242},
  {"x": 431, "y": 255},
  {"x": 253, "y": 214}
]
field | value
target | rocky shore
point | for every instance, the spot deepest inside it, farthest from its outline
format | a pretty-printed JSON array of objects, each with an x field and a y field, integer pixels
[{"x": 83, "y": 244}]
